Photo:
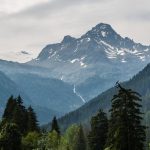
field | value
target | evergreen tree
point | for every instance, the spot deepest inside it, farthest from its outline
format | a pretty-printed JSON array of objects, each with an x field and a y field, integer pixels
[
  {"x": 98, "y": 134},
  {"x": 32, "y": 120},
  {"x": 10, "y": 137},
  {"x": 9, "y": 110},
  {"x": 20, "y": 116},
  {"x": 55, "y": 125},
  {"x": 80, "y": 142},
  {"x": 20, "y": 101},
  {"x": 16, "y": 112},
  {"x": 126, "y": 131}
]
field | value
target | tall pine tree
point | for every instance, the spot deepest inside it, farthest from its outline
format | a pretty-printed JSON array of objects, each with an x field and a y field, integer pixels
[
  {"x": 20, "y": 116},
  {"x": 32, "y": 120},
  {"x": 9, "y": 110},
  {"x": 98, "y": 134},
  {"x": 55, "y": 125},
  {"x": 125, "y": 130},
  {"x": 15, "y": 112}
]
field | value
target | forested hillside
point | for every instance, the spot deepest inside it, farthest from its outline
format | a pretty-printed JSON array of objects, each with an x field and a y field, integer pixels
[
  {"x": 19, "y": 128},
  {"x": 140, "y": 83}
]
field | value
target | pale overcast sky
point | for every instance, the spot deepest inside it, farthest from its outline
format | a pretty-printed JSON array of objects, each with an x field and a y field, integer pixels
[{"x": 28, "y": 25}]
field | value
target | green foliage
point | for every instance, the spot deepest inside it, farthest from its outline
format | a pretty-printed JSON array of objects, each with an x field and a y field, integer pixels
[
  {"x": 75, "y": 138},
  {"x": 98, "y": 134},
  {"x": 30, "y": 141},
  {"x": 10, "y": 137},
  {"x": 70, "y": 136},
  {"x": 52, "y": 140},
  {"x": 64, "y": 145},
  {"x": 42, "y": 142},
  {"x": 125, "y": 129}
]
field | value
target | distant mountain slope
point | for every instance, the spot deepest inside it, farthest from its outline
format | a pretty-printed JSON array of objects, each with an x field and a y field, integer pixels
[
  {"x": 12, "y": 68},
  {"x": 45, "y": 114},
  {"x": 8, "y": 88},
  {"x": 46, "y": 93},
  {"x": 50, "y": 93},
  {"x": 99, "y": 56},
  {"x": 139, "y": 83}
]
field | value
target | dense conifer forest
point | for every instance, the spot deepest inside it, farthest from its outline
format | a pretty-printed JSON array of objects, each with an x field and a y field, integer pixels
[{"x": 121, "y": 129}]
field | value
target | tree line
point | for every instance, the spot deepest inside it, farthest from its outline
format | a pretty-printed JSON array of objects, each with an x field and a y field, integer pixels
[{"x": 122, "y": 130}]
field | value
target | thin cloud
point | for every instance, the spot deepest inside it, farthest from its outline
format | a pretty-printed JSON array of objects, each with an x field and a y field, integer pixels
[
  {"x": 56, "y": 6},
  {"x": 8, "y": 6}
]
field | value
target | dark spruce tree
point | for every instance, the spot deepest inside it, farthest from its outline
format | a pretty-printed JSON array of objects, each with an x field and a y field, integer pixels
[
  {"x": 55, "y": 125},
  {"x": 98, "y": 134},
  {"x": 125, "y": 129},
  {"x": 32, "y": 120},
  {"x": 15, "y": 112},
  {"x": 10, "y": 137},
  {"x": 9, "y": 110},
  {"x": 8, "y": 114},
  {"x": 20, "y": 116},
  {"x": 80, "y": 141}
]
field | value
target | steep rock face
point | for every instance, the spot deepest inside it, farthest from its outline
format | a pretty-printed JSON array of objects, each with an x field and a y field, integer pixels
[{"x": 100, "y": 56}]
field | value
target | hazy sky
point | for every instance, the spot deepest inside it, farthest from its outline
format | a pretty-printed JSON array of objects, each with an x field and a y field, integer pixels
[{"x": 28, "y": 25}]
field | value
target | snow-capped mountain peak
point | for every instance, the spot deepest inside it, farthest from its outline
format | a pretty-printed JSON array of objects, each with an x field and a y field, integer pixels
[
  {"x": 68, "y": 39},
  {"x": 103, "y": 32},
  {"x": 98, "y": 52}
]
